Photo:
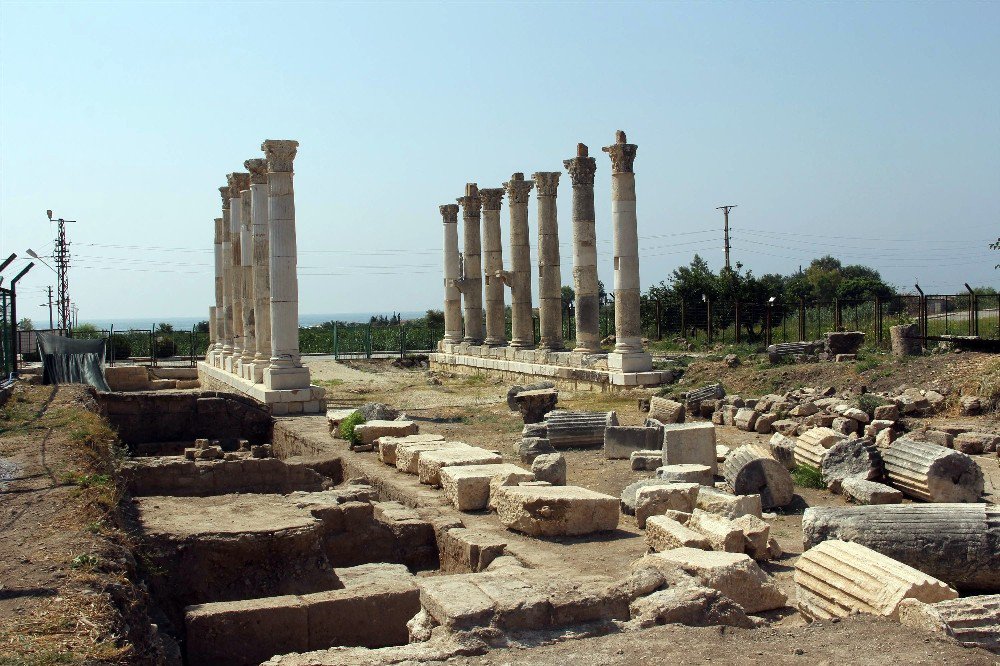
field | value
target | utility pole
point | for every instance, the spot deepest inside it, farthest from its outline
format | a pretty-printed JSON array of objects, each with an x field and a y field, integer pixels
[
  {"x": 725, "y": 211},
  {"x": 51, "y": 324},
  {"x": 61, "y": 256}
]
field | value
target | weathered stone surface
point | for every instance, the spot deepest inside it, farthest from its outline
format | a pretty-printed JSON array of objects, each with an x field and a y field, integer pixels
[
  {"x": 629, "y": 493},
  {"x": 645, "y": 461},
  {"x": 933, "y": 473},
  {"x": 970, "y": 405},
  {"x": 733, "y": 574},
  {"x": 838, "y": 578},
  {"x": 972, "y": 621},
  {"x": 468, "y": 487},
  {"x": 812, "y": 445},
  {"x": 721, "y": 452},
  {"x": 957, "y": 543},
  {"x": 387, "y": 445},
  {"x": 690, "y": 443},
  {"x": 721, "y": 532},
  {"x": 529, "y": 448},
  {"x": 572, "y": 429},
  {"x": 783, "y": 450},
  {"x": 765, "y": 423},
  {"x": 861, "y": 491},
  {"x": 756, "y": 536},
  {"x": 803, "y": 409},
  {"x": 851, "y": 459},
  {"x": 685, "y": 474},
  {"x": 534, "y": 404},
  {"x": 555, "y": 510},
  {"x": 745, "y": 419},
  {"x": 726, "y": 504},
  {"x": 887, "y": 413},
  {"x": 787, "y": 427},
  {"x": 550, "y": 467},
  {"x": 463, "y": 550},
  {"x": 843, "y": 342},
  {"x": 656, "y": 500},
  {"x": 408, "y": 454},
  {"x": 844, "y": 425},
  {"x": 621, "y": 441},
  {"x": 664, "y": 533},
  {"x": 691, "y": 605},
  {"x": 750, "y": 470},
  {"x": 431, "y": 462},
  {"x": 369, "y": 431},
  {"x": 665, "y": 410},
  {"x": 974, "y": 443}
]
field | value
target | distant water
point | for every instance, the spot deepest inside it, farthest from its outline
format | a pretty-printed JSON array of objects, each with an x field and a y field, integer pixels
[{"x": 185, "y": 323}]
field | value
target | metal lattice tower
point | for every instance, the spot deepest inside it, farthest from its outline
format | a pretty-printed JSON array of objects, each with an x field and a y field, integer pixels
[{"x": 61, "y": 256}]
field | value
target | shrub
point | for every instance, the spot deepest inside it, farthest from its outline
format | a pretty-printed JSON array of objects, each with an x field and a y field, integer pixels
[
  {"x": 347, "y": 427},
  {"x": 165, "y": 347},
  {"x": 807, "y": 477},
  {"x": 867, "y": 403},
  {"x": 122, "y": 348}
]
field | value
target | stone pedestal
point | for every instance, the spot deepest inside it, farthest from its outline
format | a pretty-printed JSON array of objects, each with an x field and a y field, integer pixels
[
  {"x": 496, "y": 334},
  {"x": 585, "y": 284},
  {"x": 227, "y": 284},
  {"x": 261, "y": 268},
  {"x": 628, "y": 355},
  {"x": 519, "y": 276},
  {"x": 549, "y": 279},
  {"x": 246, "y": 269},
  {"x": 452, "y": 275},
  {"x": 237, "y": 182},
  {"x": 285, "y": 370},
  {"x": 472, "y": 279}
]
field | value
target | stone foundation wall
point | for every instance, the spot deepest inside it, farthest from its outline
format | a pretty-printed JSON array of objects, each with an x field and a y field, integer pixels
[{"x": 185, "y": 478}]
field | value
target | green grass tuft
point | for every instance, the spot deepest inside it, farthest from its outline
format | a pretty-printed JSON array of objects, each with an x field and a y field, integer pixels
[
  {"x": 347, "y": 427},
  {"x": 807, "y": 477}
]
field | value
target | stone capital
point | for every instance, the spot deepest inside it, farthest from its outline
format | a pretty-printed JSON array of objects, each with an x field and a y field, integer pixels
[
  {"x": 492, "y": 197},
  {"x": 258, "y": 170},
  {"x": 224, "y": 192},
  {"x": 622, "y": 154},
  {"x": 449, "y": 213},
  {"x": 279, "y": 154},
  {"x": 582, "y": 167},
  {"x": 517, "y": 189},
  {"x": 546, "y": 182},
  {"x": 238, "y": 181},
  {"x": 471, "y": 203}
]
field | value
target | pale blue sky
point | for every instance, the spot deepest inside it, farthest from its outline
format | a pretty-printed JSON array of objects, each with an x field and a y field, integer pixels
[{"x": 867, "y": 130}]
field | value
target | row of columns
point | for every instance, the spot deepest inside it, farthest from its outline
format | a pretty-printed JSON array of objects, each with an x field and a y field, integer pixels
[
  {"x": 483, "y": 258},
  {"x": 254, "y": 322}
]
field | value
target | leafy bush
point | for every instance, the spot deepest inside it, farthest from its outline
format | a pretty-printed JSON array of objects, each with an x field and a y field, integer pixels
[
  {"x": 867, "y": 403},
  {"x": 165, "y": 347},
  {"x": 807, "y": 477},
  {"x": 347, "y": 427}
]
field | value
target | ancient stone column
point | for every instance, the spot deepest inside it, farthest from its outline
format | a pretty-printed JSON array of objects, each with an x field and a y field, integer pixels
[
  {"x": 217, "y": 336},
  {"x": 496, "y": 334},
  {"x": 246, "y": 268},
  {"x": 213, "y": 333},
  {"x": 452, "y": 276},
  {"x": 261, "y": 268},
  {"x": 472, "y": 281},
  {"x": 237, "y": 183},
  {"x": 581, "y": 171},
  {"x": 628, "y": 355},
  {"x": 285, "y": 370},
  {"x": 549, "y": 279},
  {"x": 519, "y": 276},
  {"x": 227, "y": 282}
]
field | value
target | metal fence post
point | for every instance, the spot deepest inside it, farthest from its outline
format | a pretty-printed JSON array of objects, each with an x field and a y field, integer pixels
[
  {"x": 659, "y": 319},
  {"x": 368, "y": 341},
  {"x": 336, "y": 342},
  {"x": 708, "y": 314},
  {"x": 736, "y": 319},
  {"x": 683, "y": 320}
]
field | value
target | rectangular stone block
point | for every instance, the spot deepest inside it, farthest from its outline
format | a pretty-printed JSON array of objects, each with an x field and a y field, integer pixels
[
  {"x": 690, "y": 443},
  {"x": 646, "y": 461},
  {"x": 431, "y": 462},
  {"x": 468, "y": 551},
  {"x": 555, "y": 510},
  {"x": 728, "y": 505},
  {"x": 387, "y": 445},
  {"x": 467, "y": 487},
  {"x": 241, "y": 633},
  {"x": 369, "y": 431},
  {"x": 663, "y": 533},
  {"x": 372, "y": 617},
  {"x": 658, "y": 499},
  {"x": 721, "y": 532},
  {"x": 621, "y": 441},
  {"x": 408, "y": 455}
]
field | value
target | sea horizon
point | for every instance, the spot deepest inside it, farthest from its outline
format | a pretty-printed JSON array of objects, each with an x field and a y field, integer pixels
[{"x": 181, "y": 323}]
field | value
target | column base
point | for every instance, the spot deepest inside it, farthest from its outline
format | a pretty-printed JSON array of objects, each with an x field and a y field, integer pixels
[
  {"x": 228, "y": 363},
  {"x": 276, "y": 379},
  {"x": 630, "y": 361},
  {"x": 256, "y": 373},
  {"x": 494, "y": 342}
]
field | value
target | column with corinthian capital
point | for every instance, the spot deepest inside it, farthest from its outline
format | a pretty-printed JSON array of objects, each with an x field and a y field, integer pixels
[
  {"x": 216, "y": 311},
  {"x": 519, "y": 278},
  {"x": 496, "y": 321},
  {"x": 227, "y": 279},
  {"x": 549, "y": 287},
  {"x": 452, "y": 276},
  {"x": 585, "y": 285},
  {"x": 261, "y": 269},
  {"x": 246, "y": 268},
  {"x": 472, "y": 280},
  {"x": 237, "y": 182}
]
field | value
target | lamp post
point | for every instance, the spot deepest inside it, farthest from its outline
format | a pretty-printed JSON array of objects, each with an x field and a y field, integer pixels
[{"x": 15, "y": 338}]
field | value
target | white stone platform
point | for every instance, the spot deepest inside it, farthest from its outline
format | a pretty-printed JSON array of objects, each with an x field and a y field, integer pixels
[
  {"x": 581, "y": 371},
  {"x": 311, "y": 400}
]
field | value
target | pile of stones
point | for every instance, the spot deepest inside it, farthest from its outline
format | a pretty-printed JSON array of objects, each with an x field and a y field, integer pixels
[{"x": 839, "y": 346}]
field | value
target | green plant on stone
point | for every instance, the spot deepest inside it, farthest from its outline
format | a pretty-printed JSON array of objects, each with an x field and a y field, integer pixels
[
  {"x": 347, "y": 427},
  {"x": 807, "y": 477},
  {"x": 867, "y": 403}
]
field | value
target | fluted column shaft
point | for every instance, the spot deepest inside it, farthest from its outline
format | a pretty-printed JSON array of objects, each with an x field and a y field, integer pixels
[
  {"x": 261, "y": 268},
  {"x": 236, "y": 183},
  {"x": 227, "y": 281},
  {"x": 246, "y": 259},
  {"x": 496, "y": 325},
  {"x": 549, "y": 278},
  {"x": 472, "y": 280},
  {"x": 519, "y": 278},
  {"x": 216, "y": 311},
  {"x": 585, "y": 285},
  {"x": 452, "y": 275},
  {"x": 213, "y": 332}
]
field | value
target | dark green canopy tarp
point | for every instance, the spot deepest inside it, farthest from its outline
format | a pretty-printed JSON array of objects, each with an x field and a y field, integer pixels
[{"x": 70, "y": 361}]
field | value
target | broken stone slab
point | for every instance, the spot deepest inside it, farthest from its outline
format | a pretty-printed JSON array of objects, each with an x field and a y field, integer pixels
[
  {"x": 974, "y": 443},
  {"x": 656, "y": 500},
  {"x": 431, "y": 462},
  {"x": 516, "y": 390},
  {"x": 861, "y": 491},
  {"x": 468, "y": 487},
  {"x": 956, "y": 543},
  {"x": 567, "y": 429},
  {"x": 970, "y": 405},
  {"x": 851, "y": 459},
  {"x": 408, "y": 454},
  {"x": 721, "y": 452},
  {"x": 745, "y": 419},
  {"x": 664, "y": 533},
  {"x": 464, "y": 550},
  {"x": 972, "y": 621},
  {"x": 689, "y": 473},
  {"x": 756, "y": 536},
  {"x": 369, "y": 431},
  {"x": 838, "y": 578},
  {"x": 787, "y": 427},
  {"x": 620, "y": 442},
  {"x": 886, "y": 413},
  {"x": 750, "y": 470},
  {"x": 645, "y": 461},
  {"x": 812, "y": 445},
  {"x": 803, "y": 409},
  {"x": 690, "y": 443},
  {"x": 721, "y": 532},
  {"x": 735, "y": 575},
  {"x": 691, "y": 605},
  {"x": 933, "y": 473},
  {"x": 877, "y": 426},
  {"x": 550, "y": 467},
  {"x": 783, "y": 450},
  {"x": 665, "y": 410},
  {"x": 726, "y": 504},
  {"x": 629, "y": 493},
  {"x": 843, "y": 342},
  {"x": 555, "y": 510},
  {"x": 765, "y": 423},
  {"x": 387, "y": 445},
  {"x": 529, "y": 448},
  {"x": 844, "y": 425}
]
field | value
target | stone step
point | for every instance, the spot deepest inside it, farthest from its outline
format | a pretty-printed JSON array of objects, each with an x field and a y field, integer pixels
[{"x": 431, "y": 462}]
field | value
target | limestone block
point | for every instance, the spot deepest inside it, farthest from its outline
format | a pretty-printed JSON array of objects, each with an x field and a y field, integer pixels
[
  {"x": 621, "y": 441},
  {"x": 974, "y": 443},
  {"x": 555, "y": 510},
  {"x": 629, "y": 493},
  {"x": 844, "y": 425},
  {"x": 838, "y": 578},
  {"x": 851, "y": 458},
  {"x": 468, "y": 487},
  {"x": 263, "y": 627},
  {"x": 663, "y": 533},
  {"x": 746, "y": 419},
  {"x": 765, "y": 423},
  {"x": 750, "y": 470},
  {"x": 529, "y": 448},
  {"x": 645, "y": 461},
  {"x": 728, "y": 414},
  {"x": 972, "y": 621},
  {"x": 887, "y": 413},
  {"x": 690, "y": 443},
  {"x": 721, "y": 532},
  {"x": 861, "y": 491},
  {"x": 691, "y": 605},
  {"x": 856, "y": 414},
  {"x": 783, "y": 450},
  {"x": 719, "y": 416},
  {"x": 408, "y": 455},
  {"x": 572, "y": 429},
  {"x": 726, "y": 504},
  {"x": 733, "y": 574},
  {"x": 387, "y": 445},
  {"x": 933, "y": 473},
  {"x": 685, "y": 474},
  {"x": 665, "y": 410},
  {"x": 550, "y": 467},
  {"x": 803, "y": 409},
  {"x": 369, "y": 431},
  {"x": 430, "y": 462},
  {"x": 786, "y": 427},
  {"x": 877, "y": 426},
  {"x": 812, "y": 445},
  {"x": 655, "y": 500},
  {"x": 885, "y": 438},
  {"x": 756, "y": 536}
]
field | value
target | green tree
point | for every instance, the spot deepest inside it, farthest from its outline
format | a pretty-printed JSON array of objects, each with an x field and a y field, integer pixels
[
  {"x": 568, "y": 296},
  {"x": 201, "y": 327},
  {"x": 691, "y": 282},
  {"x": 434, "y": 318},
  {"x": 164, "y": 329},
  {"x": 26, "y": 325}
]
